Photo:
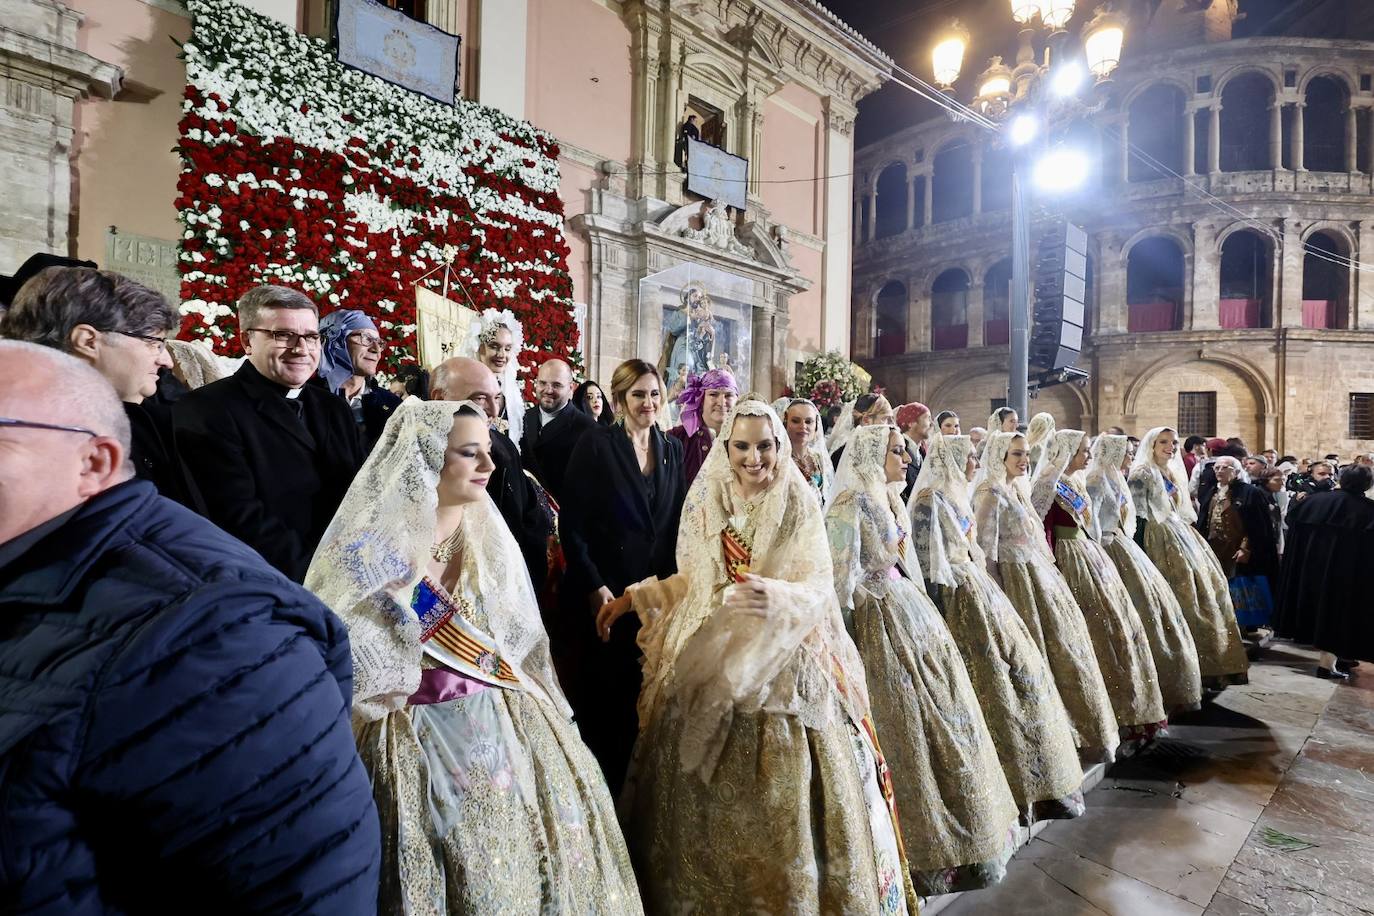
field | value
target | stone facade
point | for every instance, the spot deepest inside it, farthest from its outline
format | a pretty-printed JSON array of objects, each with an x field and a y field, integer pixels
[{"x": 1232, "y": 187}]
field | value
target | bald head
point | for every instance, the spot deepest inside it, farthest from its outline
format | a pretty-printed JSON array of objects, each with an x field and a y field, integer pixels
[
  {"x": 46, "y": 472},
  {"x": 553, "y": 385},
  {"x": 464, "y": 379}
]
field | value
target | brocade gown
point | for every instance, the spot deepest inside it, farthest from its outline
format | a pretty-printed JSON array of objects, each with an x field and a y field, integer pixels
[
  {"x": 1014, "y": 542},
  {"x": 1123, "y": 650},
  {"x": 1187, "y": 563},
  {"x": 956, "y": 809},
  {"x": 1171, "y": 642},
  {"x": 490, "y": 803},
  {"x": 1021, "y": 705}
]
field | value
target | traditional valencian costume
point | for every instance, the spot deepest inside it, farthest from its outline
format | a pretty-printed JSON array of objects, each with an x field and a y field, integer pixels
[
  {"x": 1171, "y": 642},
  {"x": 1187, "y": 563},
  {"x": 1013, "y": 539},
  {"x": 757, "y": 782},
  {"x": 953, "y": 798},
  {"x": 1123, "y": 651},
  {"x": 1020, "y": 703},
  {"x": 489, "y": 801}
]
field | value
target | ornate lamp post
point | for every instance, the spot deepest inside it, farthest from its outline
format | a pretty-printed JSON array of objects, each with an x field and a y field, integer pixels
[{"x": 1028, "y": 101}]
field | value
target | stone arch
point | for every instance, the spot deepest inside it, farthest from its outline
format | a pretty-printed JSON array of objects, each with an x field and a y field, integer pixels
[
  {"x": 1246, "y": 97},
  {"x": 1329, "y": 71},
  {"x": 890, "y": 191},
  {"x": 1326, "y": 285},
  {"x": 890, "y": 310},
  {"x": 1274, "y": 77},
  {"x": 1325, "y": 99},
  {"x": 708, "y": 67},
  {"x": 948, "y": 296},
  {"x": 1155, "y": 118},
  {"x": 951, "y": 177},
  {"x": 1241, "y": 225},
  {"x": 1250, "y": 373},
  {"x": 1156, "y": 283},
  {"x": 1184, "y": 240},
  {"x": 1245, "y": 267},
  {"x": 1180, "y": 84}
]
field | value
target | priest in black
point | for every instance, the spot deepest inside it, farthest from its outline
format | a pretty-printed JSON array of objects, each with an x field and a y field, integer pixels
[
  {"x": 1325, "y": 593},
  {"x": 272, "y": 455},
  {"x": 553, "y": 427}
]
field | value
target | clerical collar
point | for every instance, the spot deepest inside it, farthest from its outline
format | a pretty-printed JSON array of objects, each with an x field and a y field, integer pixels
[{"x": 293, "y": 393}]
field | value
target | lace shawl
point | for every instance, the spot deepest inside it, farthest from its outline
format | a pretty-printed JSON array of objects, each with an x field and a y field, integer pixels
[
  {"x": 1111, "y": 499},
  {"x": 1059, "y": 450},
  {"x": 867, "y": 523},
  {"x": 942, "y": 530},
  {"x": 376, "y": 549},
  {"x": 1038, "y": 433},
  {"x": 198, "y": 365},
  {"x": 717, "y": 660},
  {"x": 1008, "y": 529},
  {"x": 844, "y": 426},
  {"x": 1153, "y": 499}
]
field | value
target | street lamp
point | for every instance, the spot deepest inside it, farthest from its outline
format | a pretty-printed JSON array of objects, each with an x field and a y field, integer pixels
[{"x": 1029, "y": 100}]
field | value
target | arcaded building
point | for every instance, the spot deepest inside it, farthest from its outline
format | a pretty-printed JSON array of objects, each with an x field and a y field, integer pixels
[{"x": 1230, "y": 217}]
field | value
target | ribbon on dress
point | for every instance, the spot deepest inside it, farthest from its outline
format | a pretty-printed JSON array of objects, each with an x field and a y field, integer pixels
[{"x": 450, "y": 638}]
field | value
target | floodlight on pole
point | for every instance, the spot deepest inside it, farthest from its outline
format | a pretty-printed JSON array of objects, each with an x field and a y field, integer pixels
[
  {"x": 1061, "y": 169},
  {"x": 1023, "y": 129},
  {"x": 1067, "y": 78}
]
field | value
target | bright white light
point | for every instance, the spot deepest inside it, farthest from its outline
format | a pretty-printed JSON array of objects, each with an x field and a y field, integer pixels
[
  {"x": 1023, "y": 129},
  {"x": 1068, "y": 78},
  {"x": 1061, "y": 169}
]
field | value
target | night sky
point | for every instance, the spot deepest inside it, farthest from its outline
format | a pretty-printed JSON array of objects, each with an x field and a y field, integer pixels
[{"x": 905, "y": 30}]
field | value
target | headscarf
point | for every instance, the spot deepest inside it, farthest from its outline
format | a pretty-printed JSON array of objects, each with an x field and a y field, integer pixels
[
  {"x": 1144, "y": 467},
  {"x": 863, "y": 472},
  {"x": 336, "y": 364},
  {"x": 1215, "y": 445},
  {"x": 722, "y": 660},
  {"x": 694, "y": 394},
  {"x": 1105, "y": 478},
  {"x": 374, "y": 553},
  {"x": 995, "y": 419},
  {"x": 908, "y": 414},
  {"x": 484, "y": 331},
  {"x": 1038, "y": 431},
  {"x": 944, "y": 472}
]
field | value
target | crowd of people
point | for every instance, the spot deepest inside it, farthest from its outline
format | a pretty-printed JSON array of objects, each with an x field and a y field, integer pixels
[{"x": 310, "y": 644}]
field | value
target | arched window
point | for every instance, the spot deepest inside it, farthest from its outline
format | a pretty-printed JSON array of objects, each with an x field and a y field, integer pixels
[
  {"x": 996, "y": 298},
  {"x": 953, "y": 188},
  {"x": 1323, "y": 125},
  {"x": 1156, "y": 128},
  {"x": 1245, "y": 123},
  {"x": 1246, "y": 275},
  {"x": 891, "y": 324},
  {"x": 891, "y": 200},
  {"x": 996, "y": 178},
  {"x": 949, "y": 311},
  {"x": 1154, "y": 285},
  {"x": 1325, "y": 283}
]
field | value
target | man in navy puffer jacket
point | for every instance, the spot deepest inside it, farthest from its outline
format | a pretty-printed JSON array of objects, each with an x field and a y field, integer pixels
[{"x": 174, "y": 713}]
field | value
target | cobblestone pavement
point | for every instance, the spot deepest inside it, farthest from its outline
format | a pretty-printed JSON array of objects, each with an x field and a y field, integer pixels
[{"x": 1260, "y": 803}]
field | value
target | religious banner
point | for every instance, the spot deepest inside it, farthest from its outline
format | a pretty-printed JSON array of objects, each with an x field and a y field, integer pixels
[
  {"x": 442, "y": 326},
  {"x": 717, "y": 175},
  {"x": 389, "y": 44}
]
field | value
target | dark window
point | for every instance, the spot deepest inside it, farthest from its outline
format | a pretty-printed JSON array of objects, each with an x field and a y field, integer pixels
[
  {"x": 1290, "y": 78},
  {"x": 921, "y": 155},
  {"x": 1204, "y": 83},
  {"x": 1197, "y": 413},
  {"x": 1361, "y": 415},
  {"x": 1366, "y": 82},
  {"x": 997, "y": 404}
]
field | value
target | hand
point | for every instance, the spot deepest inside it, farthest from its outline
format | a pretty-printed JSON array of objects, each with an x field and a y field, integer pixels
[
  {"x": 1242, "y": 556},
  {"x": 610, "y": 612},
  {"x": 750, "y": 596},
  {"x": 599, "y": 597}
]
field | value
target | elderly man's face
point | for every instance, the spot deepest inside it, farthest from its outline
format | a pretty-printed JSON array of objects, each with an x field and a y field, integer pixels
[
  {"x": 471, "y": 381},
  {"x": 290, "y": 363},
  {"x": 1226, "y": 469},
  {"x": 1253, "y": 466},
  {"x": 365, "y": 350}
]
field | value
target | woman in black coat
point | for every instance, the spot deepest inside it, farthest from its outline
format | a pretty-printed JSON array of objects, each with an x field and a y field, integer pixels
[{"x": 623, "y": 498}]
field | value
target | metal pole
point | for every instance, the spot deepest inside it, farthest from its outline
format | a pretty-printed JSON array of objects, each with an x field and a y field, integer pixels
[{"x": 1019, "y": 318}]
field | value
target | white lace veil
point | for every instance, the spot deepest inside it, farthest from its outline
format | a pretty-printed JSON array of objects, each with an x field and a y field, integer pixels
[
  {"x": 816, "y": 446},
  {"x": 1105, "y": 477},
  {"x": 944, "y": 473},
  {"x": 725, "y": 660},
  {"x": 509, "y": 379},
  {"x": 1059, "y": 450},
  {"x": 1038, "y": 432},
  {"x": 1145, "y": 468},
  {"x": 374, "y": 553},
  {"x": 995, "y": 536},
  {"x": 863, "y": 470},
  {"x": 844, "y": 426}
]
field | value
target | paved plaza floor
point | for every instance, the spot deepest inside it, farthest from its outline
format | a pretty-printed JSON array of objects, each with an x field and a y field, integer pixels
[{"x": 1261, "y": 802}]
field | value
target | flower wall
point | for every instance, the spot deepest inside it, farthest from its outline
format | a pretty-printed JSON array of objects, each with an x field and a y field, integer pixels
[{"x": 299, "y": 171}]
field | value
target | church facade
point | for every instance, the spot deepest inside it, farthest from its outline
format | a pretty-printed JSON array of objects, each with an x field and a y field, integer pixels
[
  {"x": 1230, "y": 218},
  {"x": 93, "y": 94}
]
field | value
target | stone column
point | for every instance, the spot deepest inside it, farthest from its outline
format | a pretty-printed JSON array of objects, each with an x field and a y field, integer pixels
[
  {"x": 1214, "y": 139},
  {"x": 873, "y": 211},
  {"x": 762, "y": 371},
  {"x": 1289, "y": 255},
  {"x": 917, "y": 317},
  {"x": 1125, "y": 149},
  {"x": 838, "y": 257},
  {"x": 911, "y": 202},
  {"x": 1362, "y": 306},
  {"x": 1352, "y": 134},
  {"x": 929, "y": 206},
  {"x": 1369, "y": 151},
  {"x": 1206, "y": 291},
  {"x": 1189, "y": 141},
  {"x": 977, "y": 180},
  {"x": 1298, "y": 165},
  {"x": 975, "y": 314},
  {"x": 1276, "y": 135},
  {"x": 446, "y": 15},
  {"x": 1111, "y": 289}
]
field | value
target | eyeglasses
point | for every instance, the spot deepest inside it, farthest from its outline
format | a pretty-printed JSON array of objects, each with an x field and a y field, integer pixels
[
  {"x": 290, "y": 339},
  {"x": 367, "y": 342},
  {"x": 157, "y": 343},
  {"x": 31, "y": 424}
]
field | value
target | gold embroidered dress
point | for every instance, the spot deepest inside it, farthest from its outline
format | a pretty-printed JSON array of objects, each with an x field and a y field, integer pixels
[
  {"x": 756, "y": 786},
  {"x": 1013, "y": 540},
  {"x": 1171, "y": 642},
  {"x": 1021, "y": 705},
  {"x": 489, "y": 801},
  {"x": 1183, "y": 556},
  {"x": 956, "y": 809}
]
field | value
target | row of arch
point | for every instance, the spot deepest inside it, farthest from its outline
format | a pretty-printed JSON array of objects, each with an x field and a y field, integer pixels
[{"x": 1157, "y": 292}]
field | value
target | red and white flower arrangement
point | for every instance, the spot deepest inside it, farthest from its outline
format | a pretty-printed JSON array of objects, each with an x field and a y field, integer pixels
[{"x": 299, "y": 171}]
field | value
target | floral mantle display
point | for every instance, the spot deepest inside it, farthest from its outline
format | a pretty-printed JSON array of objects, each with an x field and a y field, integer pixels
[
  {"x": 299, "y": 171},
  {"x": 830, "y": 379}
]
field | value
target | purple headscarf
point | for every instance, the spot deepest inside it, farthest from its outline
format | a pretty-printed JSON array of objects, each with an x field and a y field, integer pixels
[
  {"x": 336, "y": 366},
  {"x": 692, "y": 396}
]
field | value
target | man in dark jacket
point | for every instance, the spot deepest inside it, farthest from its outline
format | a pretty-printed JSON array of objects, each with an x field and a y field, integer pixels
[
  {"x": 515, "y": 495},
  {"x": 350, "y": 352},
  {"x": 120, "y": 327},
  {"x": 272, "y": 455},
  {"x": 553, "y": 427},
  {"x": 174, "y": 714}
]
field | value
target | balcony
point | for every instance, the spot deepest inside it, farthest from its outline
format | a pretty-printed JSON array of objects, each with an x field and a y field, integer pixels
[
  {"x": 1144, "y": 317},
  {"x": 949, "y": 337},
  {"x": 1239, "y": 313}
]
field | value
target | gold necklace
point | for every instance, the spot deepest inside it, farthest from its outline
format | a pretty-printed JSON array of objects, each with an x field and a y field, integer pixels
[{"x": 445, "y": 549}]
